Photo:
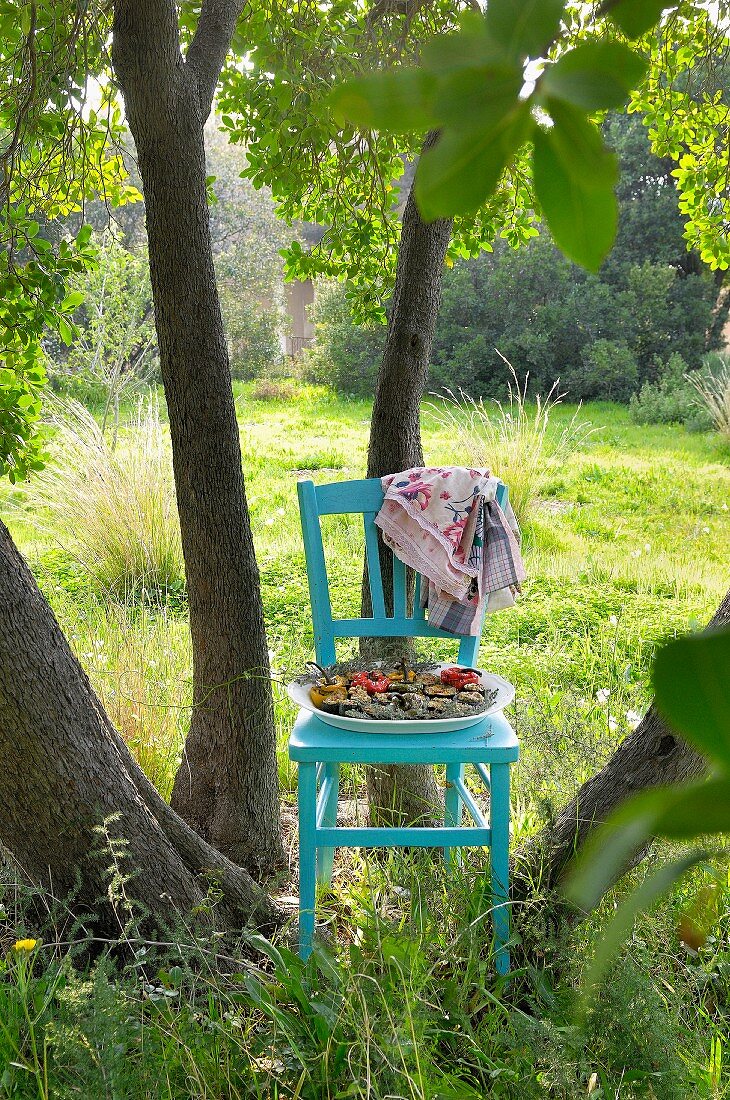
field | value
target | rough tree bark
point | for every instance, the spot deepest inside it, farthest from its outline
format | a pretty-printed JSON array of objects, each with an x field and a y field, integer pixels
[
  {"x": 68, "y": 785},
  {"x": 405, "y": 793},
  {"x": 651, "y": 756},
  {"x": 226, "y": 787}
]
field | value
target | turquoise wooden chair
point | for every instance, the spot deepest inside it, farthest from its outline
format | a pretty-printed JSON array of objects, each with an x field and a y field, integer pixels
[{"x": 319, "y": 749}]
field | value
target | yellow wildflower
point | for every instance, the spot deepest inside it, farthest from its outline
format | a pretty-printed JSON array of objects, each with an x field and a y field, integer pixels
[{"x": 24, "y": 945}]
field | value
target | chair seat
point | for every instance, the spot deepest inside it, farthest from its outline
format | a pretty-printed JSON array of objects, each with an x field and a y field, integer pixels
[{"x": 490, "y": 741}]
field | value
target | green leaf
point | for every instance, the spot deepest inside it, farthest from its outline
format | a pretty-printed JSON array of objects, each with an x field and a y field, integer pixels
[
  {"x": 609, "y": 849},
  {"x": 470, "y": 46},
  {"x": 699, "y": 809},
  {"x": 595, "y": 76},
  {"x": 84, "y": 235},
  {"x": 636, "y": 17},
  {"x": 465, "y": 165},
  {"x": 65, "y": 331},
  {"x": 581, "y": 148},
  {"x": 400, "y": 100},
  {"x": 524, "y": 27},
  {"x": 692, "y": 685},
  {"x": 477, "y": 97},
  {"x": 582, "y": 213},
  {"x": 618, "y": 929},
  {"x": 72, "y": 301}
]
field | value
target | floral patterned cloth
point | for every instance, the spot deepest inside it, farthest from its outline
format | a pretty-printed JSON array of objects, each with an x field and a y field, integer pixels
[{"x": 446, "y": 524}]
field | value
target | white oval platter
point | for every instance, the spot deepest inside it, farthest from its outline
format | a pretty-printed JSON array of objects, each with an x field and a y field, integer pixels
[{"x": 299, "y": 693}]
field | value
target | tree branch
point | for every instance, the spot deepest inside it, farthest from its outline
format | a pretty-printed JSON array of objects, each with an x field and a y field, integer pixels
[{"x": 210, "y": 44}]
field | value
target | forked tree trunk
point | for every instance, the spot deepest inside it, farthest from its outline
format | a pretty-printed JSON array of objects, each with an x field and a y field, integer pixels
[
  {"x": 651, "y": 756},
  {"x": 226, "y": 787},
  {"x": 73, "y": 801},
  {"x": 404, "y": 793}
]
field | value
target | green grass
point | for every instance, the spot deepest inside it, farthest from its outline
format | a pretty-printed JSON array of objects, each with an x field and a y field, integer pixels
[{"x": 627, "y": 545}]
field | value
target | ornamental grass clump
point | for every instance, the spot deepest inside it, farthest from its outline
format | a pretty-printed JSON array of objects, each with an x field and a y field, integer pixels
[
  {"x": 113, "y": 510},
  {"x": 514, "y": 439},
  {"x": 713, "y": 394}
]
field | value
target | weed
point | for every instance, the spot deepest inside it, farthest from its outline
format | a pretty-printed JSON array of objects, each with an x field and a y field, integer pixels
[
  {"x": 113, "y": 510},
  {"x": 514, "y": 440}
]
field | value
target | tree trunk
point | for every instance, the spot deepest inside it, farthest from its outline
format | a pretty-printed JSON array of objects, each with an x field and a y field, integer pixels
[
  {"x": 226, "y": 787},
  {"x": 651, "y": 756},
  {"x": 75, "y": 804},
  {"x": 404, "y": 793}
]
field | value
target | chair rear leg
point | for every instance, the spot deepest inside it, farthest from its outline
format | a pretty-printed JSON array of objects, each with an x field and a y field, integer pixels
[
  {"x": 499, "y": 856},
  {"x": 452, "y": 809},
  {"x": 325, "y": 856},
  {"x": 307, "y": 803}
]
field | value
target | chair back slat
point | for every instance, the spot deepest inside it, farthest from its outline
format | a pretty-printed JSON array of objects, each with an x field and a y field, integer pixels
[
  {"x": 399, "y": 589},
  {"x": 375, "y": 579},
  {"x": 364, "y": 497},
  {"x": 419, "y": 613}
]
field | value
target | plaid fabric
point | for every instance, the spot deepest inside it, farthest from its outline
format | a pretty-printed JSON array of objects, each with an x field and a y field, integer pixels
[{"x": 469, "y": 556}]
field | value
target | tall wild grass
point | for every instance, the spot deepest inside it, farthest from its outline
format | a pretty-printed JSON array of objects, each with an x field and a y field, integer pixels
[
  {"x": 713, "y": 393},
  {"x": 514, "y": 439},
  {"x": 113, "y": 510}
]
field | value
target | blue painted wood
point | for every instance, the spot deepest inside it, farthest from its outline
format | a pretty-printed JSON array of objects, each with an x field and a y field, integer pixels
[
  {"x": 307, "y": 802},
  {"x": 400, "y": 610},
  {"x": 324, "y": 645},
  {"x": 469, "y": 651},
  {"x": 419, "y": 613},
  {"x": 452, "y": 809},
  {"x": 467, "y": 798},
  {"x": 375, "y": 578},
  {"x": 403, "y": 838},
  {"x": 349, "y": 496},
  {"x": 389, "y": 628},
  {"x": 320, "y": 748},
  {"x": 365, "y": 497},
  {"x": 483, "y": 775},
  {"x": 325, "y": 856},
  {"x": 490, "y": 741},
  {"x": 499, "y": 814}
]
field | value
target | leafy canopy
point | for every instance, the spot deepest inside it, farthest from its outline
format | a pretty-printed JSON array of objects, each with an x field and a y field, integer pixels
[
  {"x": 333, "y": 101},
  {"x": 55, "y": 152}
]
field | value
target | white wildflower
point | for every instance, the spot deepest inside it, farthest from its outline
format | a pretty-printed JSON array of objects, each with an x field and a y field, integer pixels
[
  {"x": 633, "y": 718},
  {"x": 602, "y": 695}
]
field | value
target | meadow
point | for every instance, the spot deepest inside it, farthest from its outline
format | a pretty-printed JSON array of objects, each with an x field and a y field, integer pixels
[{"x": 625, "y": 543}]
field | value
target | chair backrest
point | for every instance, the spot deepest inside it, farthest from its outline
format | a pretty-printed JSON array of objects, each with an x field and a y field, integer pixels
[{"x": 364, "y": 498}]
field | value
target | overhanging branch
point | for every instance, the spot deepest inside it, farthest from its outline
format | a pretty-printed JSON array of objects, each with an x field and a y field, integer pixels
[{"x": 210, "y": 44}]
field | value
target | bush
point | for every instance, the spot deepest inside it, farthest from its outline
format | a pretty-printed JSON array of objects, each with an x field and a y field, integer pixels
[
  {"x": 252, "y": 332},
  {"x": 345, "y": 355},
  {"x": 673, "y": 399},
  {"x": 609, "y": 372}
]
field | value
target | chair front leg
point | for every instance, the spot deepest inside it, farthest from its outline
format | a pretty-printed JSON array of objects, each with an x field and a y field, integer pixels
[
  {"x": 499, "y": 814},
  {"x": 307, "y": 803},
  {"x": 452, "y": 809},
  {"x": 325, "y": 856}
]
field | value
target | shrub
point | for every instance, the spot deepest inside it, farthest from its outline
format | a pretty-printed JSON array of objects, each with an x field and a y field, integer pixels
[
  {"x": 345, "y": 355},
  {"x": 609, "y": 371},
  {"x": 673, "y": 399},
  {"x": 252, "y": 332},
  {"x": 114, "y": 510}
]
